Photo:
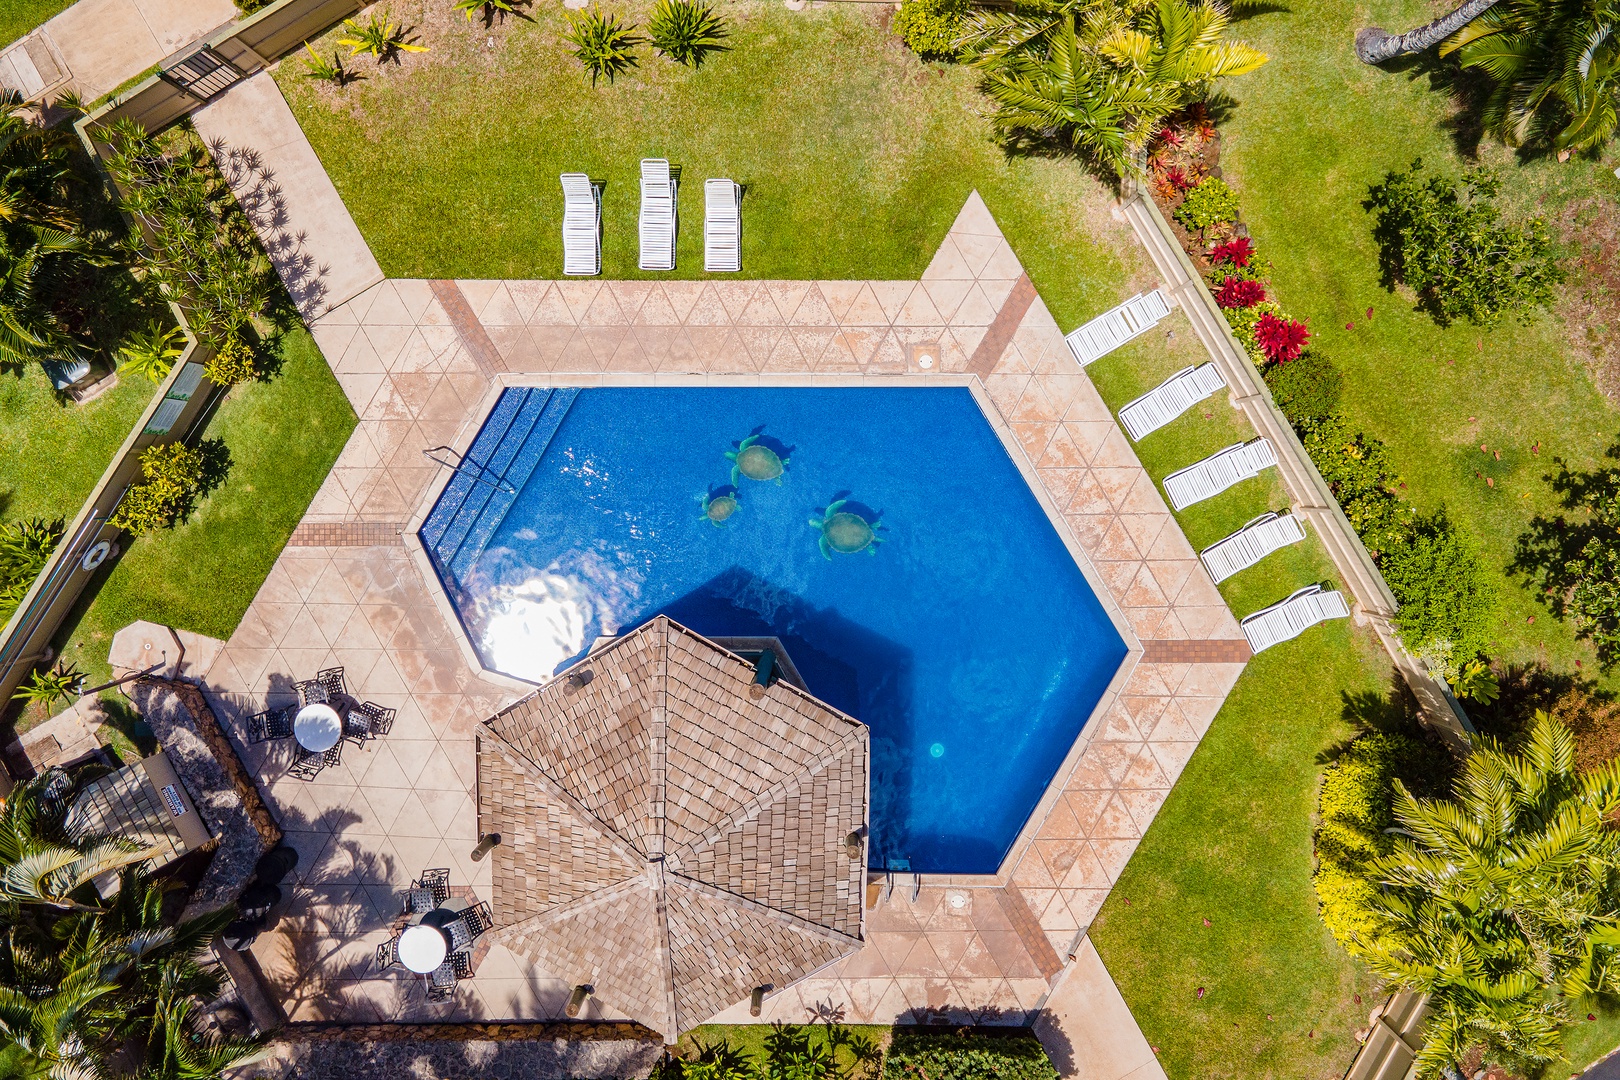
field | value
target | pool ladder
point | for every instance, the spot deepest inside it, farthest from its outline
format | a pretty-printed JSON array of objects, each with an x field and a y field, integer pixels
[
  {"x": 897, "y": 873},
  {"x": 465, "y": 467}
]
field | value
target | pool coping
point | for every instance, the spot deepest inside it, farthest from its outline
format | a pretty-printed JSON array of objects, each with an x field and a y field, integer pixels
[{"x": 1055, "y": 786}]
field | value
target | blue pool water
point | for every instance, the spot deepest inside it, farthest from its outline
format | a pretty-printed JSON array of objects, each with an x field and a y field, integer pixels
[{"x": 966, "y": 639}]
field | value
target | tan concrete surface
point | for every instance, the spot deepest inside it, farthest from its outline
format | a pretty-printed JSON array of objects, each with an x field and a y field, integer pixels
[
  {"x": 1087, "y": 1028},
  {"x": 307, "y": 231},
  {"x": 103, "y": 43}
]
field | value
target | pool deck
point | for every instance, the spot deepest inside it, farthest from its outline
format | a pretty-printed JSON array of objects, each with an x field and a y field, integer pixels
[{"x": 419, "y": 361}]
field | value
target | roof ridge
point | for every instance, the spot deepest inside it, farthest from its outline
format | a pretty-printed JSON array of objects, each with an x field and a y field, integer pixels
[
  {"x": 632, "y": 854},
  {"x": 794, "y": 922},
  {"x": 776, "y": 793}
]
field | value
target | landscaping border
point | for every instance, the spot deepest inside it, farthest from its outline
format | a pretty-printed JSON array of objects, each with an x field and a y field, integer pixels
[{"x": 1300, "y": 477}]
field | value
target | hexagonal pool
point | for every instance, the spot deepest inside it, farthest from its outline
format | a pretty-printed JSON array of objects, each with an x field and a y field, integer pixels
[{"x": 883, "y": 535}]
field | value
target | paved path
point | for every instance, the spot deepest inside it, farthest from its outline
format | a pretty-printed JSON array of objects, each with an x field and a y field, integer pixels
[
  {"x": 313, "y": 242},
  {"x": 1088, "y": 1030},
  {"x": 96, "y": 45}
]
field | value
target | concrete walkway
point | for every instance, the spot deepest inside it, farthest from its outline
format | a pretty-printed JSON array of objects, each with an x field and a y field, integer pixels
[
  {"x": 313, "y": 242},
  {"x": 96, "y": 45},
  {"x": 1087, "y": 1028}
]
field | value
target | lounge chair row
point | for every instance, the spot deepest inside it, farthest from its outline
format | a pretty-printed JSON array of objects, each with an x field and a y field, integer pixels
[{"x": 660, "y": 192}]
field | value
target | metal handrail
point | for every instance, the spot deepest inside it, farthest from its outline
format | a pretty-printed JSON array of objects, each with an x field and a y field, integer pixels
[{"x": 498, "y": 483}]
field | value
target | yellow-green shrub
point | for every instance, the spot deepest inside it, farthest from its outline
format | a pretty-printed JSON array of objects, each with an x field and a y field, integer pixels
[{"x": 930, "y": 27}]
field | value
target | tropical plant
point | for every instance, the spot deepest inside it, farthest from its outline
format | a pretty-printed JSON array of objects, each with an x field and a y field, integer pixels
[
  {"x": 1211, "y": 203},
  {"x": 1447, "y": 240},
  {"x": 487, "y": 8},
  {"x": 1236, "y": 253},
  {"x": 687, "y": 31},
  {"x": 176, "y": 476},
  {"x": 30, "y": 331},
  {"x": 601, "y": 43},
  {"x": 930, "y": 28},
  {"x": 1236, "y": 292},
  {"x": 24, "y": 548},
  {"x": 922, "y": 1051},
  {"x": 1476, "y": 682},
  {"x": 379, "y": 38},
  {"x": 46, "y": 857},
  {"x": 1374, "y": 44},
  {"x": 1099, "y": 78},
  {"x": 34, "y": 174},
  {"x": 332, "y": 71},
  {"x": 1554, "y": 66},
  {"x": 1577, "y": 556},
  {"x": 152, "y": 352},
  {"x": 232, "y": 362},
  {"x": 1502, "y": 903},
  {"x": 1281, "y": 340},
  {"x": 1305, "y": 389},
  {"x": 47, "y": 686}
]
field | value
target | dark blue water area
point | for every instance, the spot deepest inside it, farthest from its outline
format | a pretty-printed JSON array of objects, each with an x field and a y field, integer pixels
[{"x": 966, "y": 638}]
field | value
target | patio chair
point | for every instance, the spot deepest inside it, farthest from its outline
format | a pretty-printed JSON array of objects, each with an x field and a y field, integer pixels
[
  {"x": 1180, "y": 392},
  {"x": 479, "y": 920},
  {"x": 332, "y": 680},
  {"x": 417, "y": 901},
  {"x": 270, "y": 724},
  {"x": 1116, "y": 326},
  {"x": 442, "y": 982},
  {"x": 461, "y": 934},
  {"x": 379, "y": 719},
  {"x": 1287, "y": 619},
  {"x": 388, "y": 953},
  {"x": 311, "y": 762},
  {"x": 310, "y": 692},
  {"x": 1267, "y": 533},
  {"x": 1208, "y": 478},
  {"x": 461, "y": 964},
  {"x": 659, "y": 194},
  {"x": 437, "y": 882},
  {"x": 582, "y": 226},
  {"x": 356, "y": 727},
  {"x": 722, "y": 227}
]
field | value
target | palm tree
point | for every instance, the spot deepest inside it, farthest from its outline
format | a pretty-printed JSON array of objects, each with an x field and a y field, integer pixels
[
  {"x": 34, "y": 174},
  {"x": 1374, "y": 44},
  {"x": 1503, "y": 903},
  {"x": 1100, "y": 78},
  {"x": 1555, "y": 69},
  {"x": 29, "y": 329}
]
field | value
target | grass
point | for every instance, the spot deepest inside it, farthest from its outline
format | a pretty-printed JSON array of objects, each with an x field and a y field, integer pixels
[
  {"x": 1310, "y": 132},
  {"x": 283, "y": 436},
  {"x": 18, "y": 17}
]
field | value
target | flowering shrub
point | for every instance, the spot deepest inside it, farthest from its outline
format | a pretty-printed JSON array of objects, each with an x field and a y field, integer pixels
[
  {"x": 1281, "y": 340},
  {"x": 1240, "y": 293},
  {"x": 1209, "y": 204},
  {"x": 1243, "y": 320},
  {"x": 1232, "y": 253}
]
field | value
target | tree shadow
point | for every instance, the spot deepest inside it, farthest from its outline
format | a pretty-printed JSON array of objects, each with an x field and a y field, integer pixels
[{"x": 264, "y": 202}]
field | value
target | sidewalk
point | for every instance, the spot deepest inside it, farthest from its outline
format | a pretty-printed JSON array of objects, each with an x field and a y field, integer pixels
[
  {"x": 96, "y": 45},
  {"x": 1088, "y": 1030}
]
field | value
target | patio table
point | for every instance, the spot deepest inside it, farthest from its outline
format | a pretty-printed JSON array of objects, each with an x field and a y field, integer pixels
[
  {"x": 317, "y": 727},
  {"x": 422, "y": 948}
]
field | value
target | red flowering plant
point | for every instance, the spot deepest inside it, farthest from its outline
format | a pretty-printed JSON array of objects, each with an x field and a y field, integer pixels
[
  {"x": 1281, "y": 340},
  {"x": 1240, "y": 293},
  {"x": 1233, "y": 252}
]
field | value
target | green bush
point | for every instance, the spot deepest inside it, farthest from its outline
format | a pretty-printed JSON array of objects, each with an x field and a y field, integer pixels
[
  {"x": 1209, "y": 204},
  {"x": 1358, "y": 471},
  {"x": 1243, "y": 321},
  {"x": 24, "y": 548},
  {"x": 1446, "y": 593},
  {"x": 176, "y": 476},
  {"x": 1305, "y": 389},
  {"x": 687, "y": 31},
  {"x": 930, "y": 27},
  {"x": 1447, "y": 240},
  {"x": 964, "y": 1055},
  {"x": 232, "y": 363}
]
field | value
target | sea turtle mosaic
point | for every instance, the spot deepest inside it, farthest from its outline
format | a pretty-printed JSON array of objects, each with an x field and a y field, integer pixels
[
  {"x": 719, "y": 505},
  {"x": 846, "y": 532},
  {"x": 756, "y": 460}
]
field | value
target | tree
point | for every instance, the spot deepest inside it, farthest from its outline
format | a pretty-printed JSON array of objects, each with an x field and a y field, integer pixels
[
  {"x": 1100, "y": 79},
  {"x": 1374, "y": 45},
  {"x": 1554, "y": 67},
  {"x": 44, "y": 857},
  {"x": 1502, "y": 903},
  {"x": 1577, "y": 558},
  {"x": 34, "y": 177},
  {"x": 29, "y": 329}
]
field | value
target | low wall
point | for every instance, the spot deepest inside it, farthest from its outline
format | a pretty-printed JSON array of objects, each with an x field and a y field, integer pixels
[{"x": 1310, "y": 493}]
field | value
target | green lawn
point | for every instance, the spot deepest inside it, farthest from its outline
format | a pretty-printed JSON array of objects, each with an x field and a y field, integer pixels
[
  {"x": 283, "y": 436},
  {"x": 1311, "y": 130},
  {"x": 17, "y": 17},
  {"x": 51, "y": 454}
]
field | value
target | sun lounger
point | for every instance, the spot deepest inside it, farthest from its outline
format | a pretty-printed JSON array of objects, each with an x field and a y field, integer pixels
[
  {"x": 1292, "y": 617},
  {"x": 1218, "y": 472},
  {"x": 1113, "y": 328},
  {"x": 1170, "y": 399},
  {"x": 722, "y": 227},
  {"x": 658, "y": 191},
  {"x": 582, "y": 226},
  {"x": 1250, "y": 544}
]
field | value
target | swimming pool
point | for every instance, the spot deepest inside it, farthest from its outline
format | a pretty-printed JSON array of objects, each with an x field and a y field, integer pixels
[{"x": 883, "y": 535}]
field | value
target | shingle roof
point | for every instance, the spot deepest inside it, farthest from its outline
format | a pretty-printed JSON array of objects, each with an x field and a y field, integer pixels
[{"x": 669, "y": 840}]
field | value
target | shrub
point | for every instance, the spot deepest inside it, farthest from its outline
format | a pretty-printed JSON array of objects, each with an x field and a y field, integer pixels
[
  {"x": 1236, "y": 292},
  {"x": 1209, "y": 204},
  {"x": 24, "y": 548},
  {"x": 176, "y": 476},
  {"x": 234, "y": 362},
  {"x": 930, "y": 27},
  {"x": 1243, "y": 321},
  {"x": 1280, "y": 339},
  {"x": 1304, "y": 389},
  {"x": 1233, "y": 252},
  {"x": 601, "y": 43},
  {"x": 686, "y": 31},
  {"x": 1446, "y": 594},
  {"x": 964, "y": 1055},
  {"x": 1447, "y": 240},
  {"x": 1358, "y": 471},
  {"x": 378, "y": 38},
  {"x": 153, "y": 351}
]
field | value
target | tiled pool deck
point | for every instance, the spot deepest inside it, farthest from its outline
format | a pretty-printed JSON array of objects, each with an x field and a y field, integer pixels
[{"x": 418, "y": 369}]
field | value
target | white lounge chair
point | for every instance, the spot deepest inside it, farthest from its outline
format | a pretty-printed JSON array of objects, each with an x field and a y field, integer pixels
[
  {"x": 582, "y": 226},
  {"x": 1267, "y": 533},
  {"x": 657, "y": 215},
  {"x": 1218, "y": 472},
  {"x": 1115, "y": 327},
  {"x": 722, "y": 227},
  {"x": 1290, "y": 618},
  {"x": 1170, "y": 399}
]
